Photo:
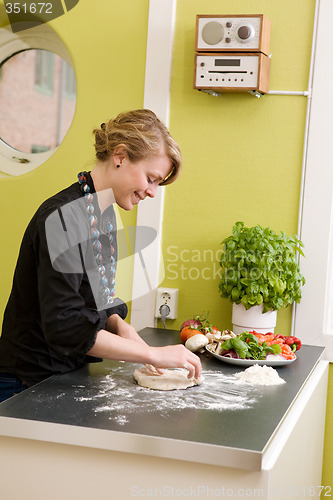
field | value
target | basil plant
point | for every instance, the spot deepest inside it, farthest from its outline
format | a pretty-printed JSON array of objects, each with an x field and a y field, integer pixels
[{"x": 261, "y": 267}]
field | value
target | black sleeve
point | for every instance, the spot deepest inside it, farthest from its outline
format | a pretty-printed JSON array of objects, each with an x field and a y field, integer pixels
[
  {"x": 68, "y": 312},
  {"x": 118, "y": 307}
]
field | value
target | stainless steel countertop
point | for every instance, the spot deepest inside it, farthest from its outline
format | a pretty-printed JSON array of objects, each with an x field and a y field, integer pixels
[{"x": 222, "y": 421}]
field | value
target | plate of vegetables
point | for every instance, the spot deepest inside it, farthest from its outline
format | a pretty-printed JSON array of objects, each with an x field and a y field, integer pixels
[{"x": 253, "y": 348}]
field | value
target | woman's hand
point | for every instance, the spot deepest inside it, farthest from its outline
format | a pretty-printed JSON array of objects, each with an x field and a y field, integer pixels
[{"x": 176, "y": 356}]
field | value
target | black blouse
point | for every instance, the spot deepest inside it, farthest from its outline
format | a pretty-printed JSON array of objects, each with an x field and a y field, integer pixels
[{"x": 52, "y": 318}]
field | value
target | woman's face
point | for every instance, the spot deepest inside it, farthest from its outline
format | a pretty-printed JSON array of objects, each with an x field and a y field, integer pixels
[{"x": 133, "y": 182}]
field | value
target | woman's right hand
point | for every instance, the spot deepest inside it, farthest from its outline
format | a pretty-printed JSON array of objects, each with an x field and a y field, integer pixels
[{"x": 176, "y": 356}]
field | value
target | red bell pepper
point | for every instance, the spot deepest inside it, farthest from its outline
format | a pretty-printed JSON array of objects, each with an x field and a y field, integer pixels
[{"x": 294, "y": 343}]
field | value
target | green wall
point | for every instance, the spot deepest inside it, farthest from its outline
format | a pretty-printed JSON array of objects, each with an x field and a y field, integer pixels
[
  {"x": 102, "y": 37},
  {"x": 242, "y": 155},
  {"x": 242, "y": 161}
]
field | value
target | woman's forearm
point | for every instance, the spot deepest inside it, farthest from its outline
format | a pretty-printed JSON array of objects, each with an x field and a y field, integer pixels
[
  {"x": 111, "y": 346},
  {"x": 116, "y": 324}
]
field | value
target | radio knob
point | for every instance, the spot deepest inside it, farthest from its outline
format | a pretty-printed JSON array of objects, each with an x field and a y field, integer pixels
[
  {"x": 228, "y": 24},
  {"x": 212, "y": 33},
  {"x": 244, "y": 32},
  {"x": 228, "y": 40}
]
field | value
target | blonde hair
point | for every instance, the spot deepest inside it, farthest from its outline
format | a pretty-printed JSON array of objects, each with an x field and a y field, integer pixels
[{"x": 143, "y": 135}]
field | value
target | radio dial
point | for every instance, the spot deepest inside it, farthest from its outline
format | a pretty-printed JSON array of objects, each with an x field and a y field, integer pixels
[
  {"x": 212, "y": 33},
  {"x": 245, "y": 32}
]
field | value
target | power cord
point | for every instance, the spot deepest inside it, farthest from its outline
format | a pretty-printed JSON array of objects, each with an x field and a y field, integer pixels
[{"x": 165, "y": 311}]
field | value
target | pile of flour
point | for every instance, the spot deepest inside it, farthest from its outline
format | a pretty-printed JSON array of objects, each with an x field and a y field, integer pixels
[{"x": 260, "y": 375}]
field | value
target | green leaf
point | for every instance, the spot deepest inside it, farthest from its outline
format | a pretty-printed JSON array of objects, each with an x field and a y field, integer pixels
[
  {"x": 235, "y": 293},
  {"x": 276, "y": 348},
  {"x": 258, "y": 256},
  {"x": 236, "y": 343}
]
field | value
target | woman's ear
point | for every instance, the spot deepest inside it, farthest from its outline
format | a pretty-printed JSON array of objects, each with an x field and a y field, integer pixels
[{"x": 119, "y": 154}]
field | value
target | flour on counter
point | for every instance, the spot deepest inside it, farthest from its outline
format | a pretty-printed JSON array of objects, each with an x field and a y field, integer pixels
[
  {"x": 118, "y": 394},
  {"x": 260, "y": 375},
  {"x": 121, "y": 419}
]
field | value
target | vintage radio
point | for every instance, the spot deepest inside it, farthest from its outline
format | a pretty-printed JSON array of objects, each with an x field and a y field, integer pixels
[{"x": 250, "y": 33}]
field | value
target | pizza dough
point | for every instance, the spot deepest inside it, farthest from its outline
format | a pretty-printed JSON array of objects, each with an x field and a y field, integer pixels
[{"x": 170, "y": 380}]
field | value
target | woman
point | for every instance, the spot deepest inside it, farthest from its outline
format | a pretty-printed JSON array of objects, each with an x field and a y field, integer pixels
[{"x": 62, "y": 311}]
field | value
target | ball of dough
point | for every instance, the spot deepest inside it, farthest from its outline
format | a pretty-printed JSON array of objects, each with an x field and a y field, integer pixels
[{"x": 171, "y": 379}]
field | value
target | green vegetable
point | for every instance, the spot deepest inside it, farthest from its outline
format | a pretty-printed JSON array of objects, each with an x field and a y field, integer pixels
[
  {"x": 239, "y": 345},
  {"x": 260, "y": 267},
  {"x": 247, "y": 346}
]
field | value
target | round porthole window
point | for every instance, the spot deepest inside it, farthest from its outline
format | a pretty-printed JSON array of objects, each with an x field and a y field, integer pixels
[{"x": 37, "y": 97}]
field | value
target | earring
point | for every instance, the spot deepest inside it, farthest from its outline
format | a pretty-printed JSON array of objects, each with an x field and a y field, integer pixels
[{"x": 117, "y": 166}]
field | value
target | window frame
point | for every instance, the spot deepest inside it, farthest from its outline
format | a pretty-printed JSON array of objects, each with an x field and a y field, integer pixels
[
  {"x": 69, "y": 82},
  {"x": 316, "y": 216},
  {"x": 148, "y": 265},
  {"x": 44, "y": 65},
  {"x": 14, "y": 162}
]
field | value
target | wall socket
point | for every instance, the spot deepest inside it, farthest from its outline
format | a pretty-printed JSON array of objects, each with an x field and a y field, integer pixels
[{"x": 168, "y": 296}]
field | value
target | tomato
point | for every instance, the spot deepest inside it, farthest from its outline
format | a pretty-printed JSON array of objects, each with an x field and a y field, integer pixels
[
  {"x": 209, "y": 328},
  {"x": 188, "y": 332}
]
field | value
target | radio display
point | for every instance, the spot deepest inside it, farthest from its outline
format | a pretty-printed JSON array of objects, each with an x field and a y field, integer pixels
[{"x": 227, "y": 62}]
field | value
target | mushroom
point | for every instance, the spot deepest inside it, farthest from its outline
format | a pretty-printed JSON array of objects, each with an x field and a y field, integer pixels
[
  {"x": 227, "y": 334},
  {"x": 196, "y": 342},
  {"x": 213, "y": 337},
  {"x": 226, "y": 337},
  {"x": 219, "y": 349},
  {"x": 212, "y": 347}
]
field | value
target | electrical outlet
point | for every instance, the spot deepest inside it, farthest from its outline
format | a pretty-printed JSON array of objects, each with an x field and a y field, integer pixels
[{"x": 168, "y": 296}]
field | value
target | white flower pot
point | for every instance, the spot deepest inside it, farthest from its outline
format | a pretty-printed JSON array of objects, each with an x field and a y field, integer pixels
[{"x": 252, "y": 319}]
